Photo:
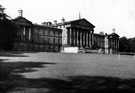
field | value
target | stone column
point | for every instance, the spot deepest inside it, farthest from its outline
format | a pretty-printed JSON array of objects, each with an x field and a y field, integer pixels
[
  {"x": 24, "y": 33},
  {"x": 74, "y": 37},
  {"x": 84, "y": 38},
  {"x": 90, "y": 39},
  {"x": 115, "y": 43},
  {"x": 118, "y": 44},
  {"x": 110, "y": 43},
  {"x": 87, "y": 39},
  {"x": 114, "y": 46},
  {"x": 77, "y": 37},
  {"x": 29, "y": 34},
  {"x": 81, "y": 38},
  {"x": 70, "y": 36}
]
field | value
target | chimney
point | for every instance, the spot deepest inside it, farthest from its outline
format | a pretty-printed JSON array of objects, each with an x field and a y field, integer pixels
[
  {"x": 113, "y": 30},
  {"x": 55, "y": 22},
  {"x": 44, "y": 23},
  {"x": 101, "y": 33},
  {"x": 20, "y": 12},
  {"x": 63, "y": 20}
]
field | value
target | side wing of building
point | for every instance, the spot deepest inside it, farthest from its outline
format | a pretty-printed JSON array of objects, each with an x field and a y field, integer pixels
[{"x": 32, "y": 37}]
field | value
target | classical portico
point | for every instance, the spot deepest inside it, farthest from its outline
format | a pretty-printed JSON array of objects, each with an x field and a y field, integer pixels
[
  {"x": 79, "y": 37},
  {"x": 77, "y": 33},
  {"x": 114, "y": 43},
  {"x": 24, "y": 33}
]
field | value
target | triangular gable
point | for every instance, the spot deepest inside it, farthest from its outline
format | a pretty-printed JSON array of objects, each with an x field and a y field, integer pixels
[
  {"x": 82, "y": 22},
  {"x": 114, "y": 35},
  {"x": 22, "y": 21}
]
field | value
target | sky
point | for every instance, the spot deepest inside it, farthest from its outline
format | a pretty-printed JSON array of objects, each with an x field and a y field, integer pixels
[{"x": 104, "y": 14}]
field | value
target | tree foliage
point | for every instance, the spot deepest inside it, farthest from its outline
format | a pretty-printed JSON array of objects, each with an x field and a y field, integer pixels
[
  {"x": 7, "y": 31},
  {"x": 127, "y": 44}
]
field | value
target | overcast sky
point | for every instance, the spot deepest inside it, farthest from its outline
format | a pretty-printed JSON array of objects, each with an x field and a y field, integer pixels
[{"x": 104, "y": 14}]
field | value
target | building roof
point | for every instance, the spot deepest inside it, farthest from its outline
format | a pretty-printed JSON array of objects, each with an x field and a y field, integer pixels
[
  {"x": 96, "y": 34},
  {"x": 22, "y": 21},
  {"x": 82, "y": 22},
  {"x": 44, "y": 26},
  {"x": 114, "y": 35}
]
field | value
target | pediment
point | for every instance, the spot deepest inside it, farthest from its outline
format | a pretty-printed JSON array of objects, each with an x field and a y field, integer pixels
[
  {"x": 114, "y": 35},
  {"x": 83, "y": 22},
  {"x": 22, "y": 21}
]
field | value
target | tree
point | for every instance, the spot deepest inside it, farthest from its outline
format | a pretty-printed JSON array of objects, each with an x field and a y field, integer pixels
[
  {"x": 127, "y": 44},
  {"x": 132, "y": 44},
  {"x": 7, "y": 31},
  {"x": 123, "y": 44}
]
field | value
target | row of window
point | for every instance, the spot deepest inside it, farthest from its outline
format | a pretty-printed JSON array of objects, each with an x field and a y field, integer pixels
[
  {"x": 41, "y": 31},
  {"x": 47, "y": 40}
]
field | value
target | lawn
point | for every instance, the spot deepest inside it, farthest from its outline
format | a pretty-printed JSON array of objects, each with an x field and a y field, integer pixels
[{"x": 66, "y": 73}]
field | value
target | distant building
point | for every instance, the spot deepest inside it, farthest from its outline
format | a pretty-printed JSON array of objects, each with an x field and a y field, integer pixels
[
  {"x": 109, "y": 43},
  {"x": 98, "y": 41},
  {"x": 77, "y": 33},
  {"x": 68, "y": 36},
  {"x": 80, "y": 34},
  {"x": 33, "y": 37}
]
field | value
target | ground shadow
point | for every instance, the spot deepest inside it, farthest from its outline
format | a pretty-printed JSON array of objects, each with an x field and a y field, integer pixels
[
  {"x": 9, "y": 73},
  {"x": 79, "y": 84},
  {"x": 12, "y": 82}
]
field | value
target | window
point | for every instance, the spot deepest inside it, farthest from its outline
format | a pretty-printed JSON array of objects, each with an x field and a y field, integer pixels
[
  {"x": 41, "y": 40},
  {"x": 51, "y": 32},
  {"x": 45, "y": 40},
  {"x": 56, "y": 33},
  {"x": 59, "y": 41},
  {"x": 51, "y": 40},
  {"x": 43, "y": 32},
  {"x": 36, "y": 31},
  {"x": 54, "y": 40},
  {"x": 46, "y": 32},
  {"x": 48, "y": 40},
  {"x": 35, "y": 39},
  {"x": 60, "y": 34}
]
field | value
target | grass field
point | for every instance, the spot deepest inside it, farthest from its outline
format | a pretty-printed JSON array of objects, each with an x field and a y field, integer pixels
[{"x": 66, "y": 73}]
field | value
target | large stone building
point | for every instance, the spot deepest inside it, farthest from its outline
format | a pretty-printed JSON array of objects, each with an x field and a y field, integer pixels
[
  {"x": 67, "y": 36},
  {"x": 109, "y": 43},
  {"x": 77, "y": 33},
  {"x": 33, "y": 37},
  {"x": 78, "y": 36}
]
